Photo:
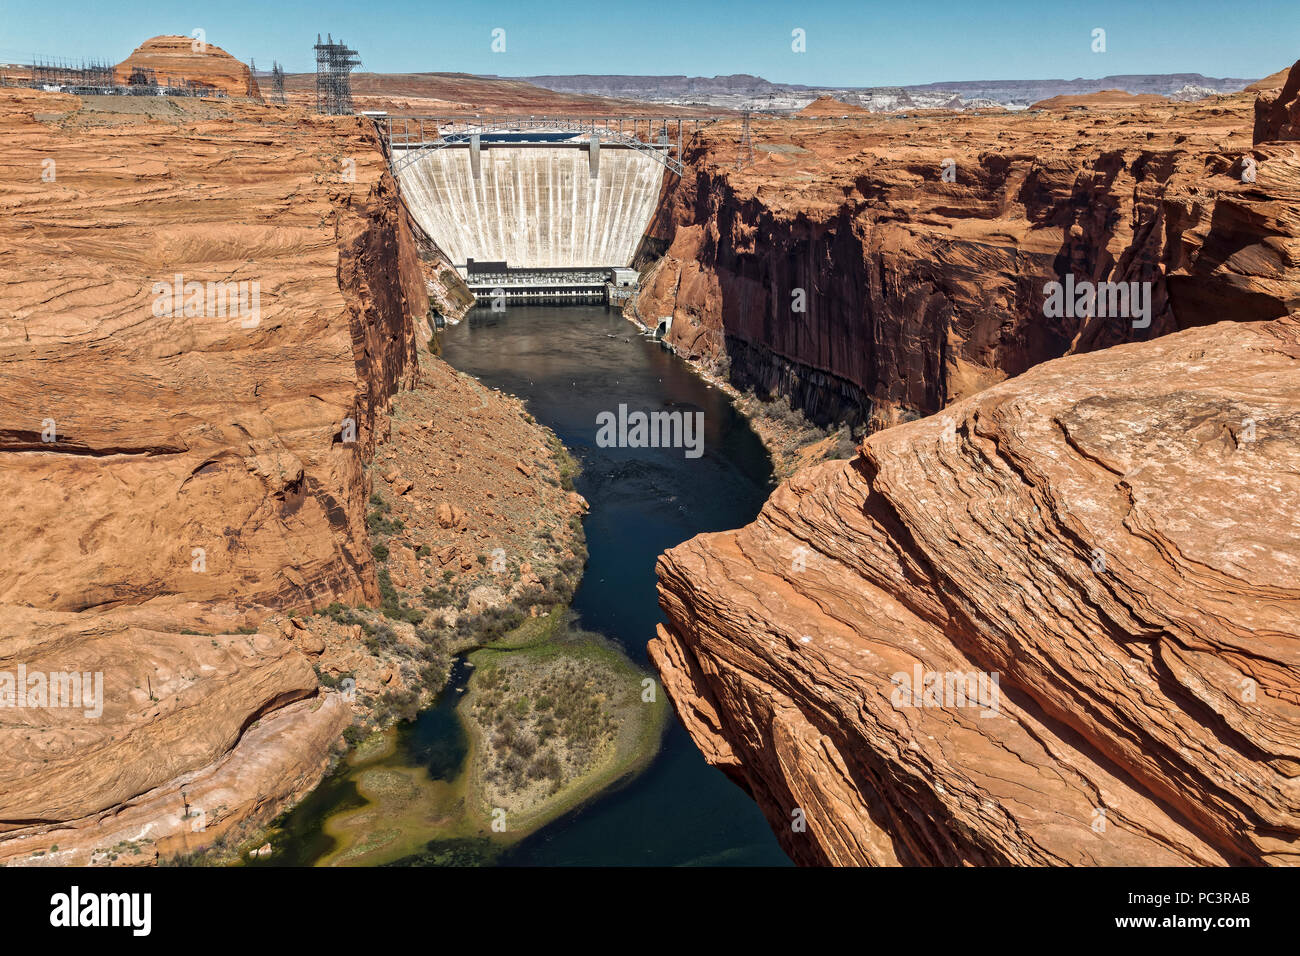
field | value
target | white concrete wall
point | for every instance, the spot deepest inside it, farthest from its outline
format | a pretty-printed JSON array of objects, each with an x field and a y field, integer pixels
[{"x": 534, "y": 206}]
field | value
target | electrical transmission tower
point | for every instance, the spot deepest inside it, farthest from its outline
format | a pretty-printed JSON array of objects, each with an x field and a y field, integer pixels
[
  {"x": 745, "y": 154},
  {"x": 277, "y": 83},
  {"x": 334, "y": 66}
]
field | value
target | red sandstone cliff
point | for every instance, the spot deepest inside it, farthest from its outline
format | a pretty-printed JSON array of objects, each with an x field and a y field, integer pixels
[
  {"x": 1112, "y": 534},
  {"x": 171, "y": 475},
  {"x": 917, "y": 291}
]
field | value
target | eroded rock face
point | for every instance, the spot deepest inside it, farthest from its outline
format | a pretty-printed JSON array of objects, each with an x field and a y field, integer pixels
[
  {"x": 231, "y": 426},
  {"x": 173, "y": 59},
  {"x": 1114, "y": 535},
  {"x": 185, "y": 736},
  {"x": 919, "y": 249},
  {"x": 178, "y": 463},
  {"x": 1111, "y": 534},
  {"x": 1277, "y": 110}
]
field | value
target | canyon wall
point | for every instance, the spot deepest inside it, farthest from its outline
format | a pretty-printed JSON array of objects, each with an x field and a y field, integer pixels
[
  {"x": 879, "y": 269},
  {"x": 534, "y": 207},
  {"x": 1055, "y": 622},
  {"x": 1113, "y": 535},
  {"x": 204, "y": 312}
]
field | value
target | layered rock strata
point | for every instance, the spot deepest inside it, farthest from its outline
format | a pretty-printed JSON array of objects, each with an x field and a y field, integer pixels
[
  {"x": 1113, "y": 535},
  {"x": 878, "y": 269},
  {"x": 203, "y": 315},
  {"x": 174, "y": 60},
  {"x": 1056, "y": 622}
]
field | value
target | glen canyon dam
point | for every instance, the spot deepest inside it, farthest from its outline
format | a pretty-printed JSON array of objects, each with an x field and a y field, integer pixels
[{"x": 810, "y": 438}]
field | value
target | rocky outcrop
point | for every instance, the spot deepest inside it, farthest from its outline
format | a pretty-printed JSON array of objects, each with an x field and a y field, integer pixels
[
  {"x": 881, "y": 269},
  {"x": 828, "y": 106},
  {"x": 1277, "y": 109},
  {"x": 1056, "y": 621},
  {"x": 1102, "y": 100},
  {"x": 1110, "y": 537},
  {"x": 175, "y": 60},
  {"x": 187, "y": 735},
  {"x": 203, "y": 315}
]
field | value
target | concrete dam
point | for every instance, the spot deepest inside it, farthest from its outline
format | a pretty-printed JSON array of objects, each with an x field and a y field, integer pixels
[{"x": 572, "y": 205}]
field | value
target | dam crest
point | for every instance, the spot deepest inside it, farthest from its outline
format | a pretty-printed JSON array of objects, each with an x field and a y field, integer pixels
[{"x": 556, "y": 198}]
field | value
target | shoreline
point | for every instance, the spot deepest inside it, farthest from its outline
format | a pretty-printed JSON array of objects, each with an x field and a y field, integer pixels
[
  {"x": 472, "y": 608},
  {"x": 791, "y": 441},
  {"x": 406, "y": 814}
]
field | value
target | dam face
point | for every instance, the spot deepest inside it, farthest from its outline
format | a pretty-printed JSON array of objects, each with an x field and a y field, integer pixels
[{"x": 534, "y": 206}]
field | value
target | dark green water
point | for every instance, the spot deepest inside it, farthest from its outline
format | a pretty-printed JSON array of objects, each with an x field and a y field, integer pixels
[
  {"x": 435, "y": 740},
  {"x": 569, "y": 364}
]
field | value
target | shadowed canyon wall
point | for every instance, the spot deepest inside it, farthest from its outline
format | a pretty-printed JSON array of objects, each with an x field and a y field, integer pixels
[
  {"x": 1111, "y": 535},
  {"x": 844, "y": 269},
  {"x": 534, "y": 206}
]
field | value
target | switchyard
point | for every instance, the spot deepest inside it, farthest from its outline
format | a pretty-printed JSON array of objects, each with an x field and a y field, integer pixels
[{"x": 96, "y": 77}]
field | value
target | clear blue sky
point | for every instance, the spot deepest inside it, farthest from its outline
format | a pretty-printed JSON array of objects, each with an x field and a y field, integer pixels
[{"x": 858, "y": 43}]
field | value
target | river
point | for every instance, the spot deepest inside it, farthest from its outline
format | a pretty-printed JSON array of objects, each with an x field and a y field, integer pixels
[{"x": 569, "y": 364}]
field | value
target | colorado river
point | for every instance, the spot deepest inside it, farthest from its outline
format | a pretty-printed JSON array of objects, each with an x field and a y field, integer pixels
[{"x": 570, "y": 364}]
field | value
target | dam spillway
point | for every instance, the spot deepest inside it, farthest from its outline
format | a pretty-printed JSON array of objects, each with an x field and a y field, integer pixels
[{"x": 534, "y": 205}]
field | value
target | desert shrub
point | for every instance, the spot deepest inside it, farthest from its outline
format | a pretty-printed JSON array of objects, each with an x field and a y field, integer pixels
[
  {"x": 434, "y": 675},
  {"x": 437, "y": 597},
  {"x": 545, "y": 766},
  {"x": 399, "y": 705},
  {"x": 391, "y": 604},
  {"x": 378, "y": 524}
]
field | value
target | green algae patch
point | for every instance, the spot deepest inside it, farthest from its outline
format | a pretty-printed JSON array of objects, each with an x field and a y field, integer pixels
[{"x": 548, "y": 717}]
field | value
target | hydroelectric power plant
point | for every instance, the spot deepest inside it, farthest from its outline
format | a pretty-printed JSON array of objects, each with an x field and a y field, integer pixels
[{"x": 535, "y": 209}]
